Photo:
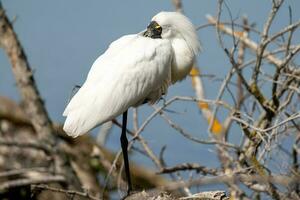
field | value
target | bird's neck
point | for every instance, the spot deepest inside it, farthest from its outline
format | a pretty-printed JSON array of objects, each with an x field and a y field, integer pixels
[{"x": 183, "y": 59}]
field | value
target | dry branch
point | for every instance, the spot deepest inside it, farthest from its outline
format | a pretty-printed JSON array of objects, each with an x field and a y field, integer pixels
[
  {"x": 248, "y": 42},
  {"x": 34, "y": 106},
  {"x": 85, "y": 194}
]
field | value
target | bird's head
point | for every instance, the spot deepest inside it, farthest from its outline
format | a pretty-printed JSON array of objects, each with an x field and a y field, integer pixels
[{"x": 173, "y": 25}]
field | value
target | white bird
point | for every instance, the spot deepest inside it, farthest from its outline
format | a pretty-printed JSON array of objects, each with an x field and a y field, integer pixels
[{"x": 135, "y": 69}]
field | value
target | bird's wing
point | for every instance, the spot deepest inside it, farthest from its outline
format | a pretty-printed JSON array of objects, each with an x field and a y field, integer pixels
[{"x": 127, "y": 72}]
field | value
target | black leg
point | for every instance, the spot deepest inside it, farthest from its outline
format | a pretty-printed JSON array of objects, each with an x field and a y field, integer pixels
[{"x": 124, "y": 144}]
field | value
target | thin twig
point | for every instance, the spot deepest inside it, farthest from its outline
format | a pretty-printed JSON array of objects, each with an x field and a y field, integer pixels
[{"x": 66, "y": 192}]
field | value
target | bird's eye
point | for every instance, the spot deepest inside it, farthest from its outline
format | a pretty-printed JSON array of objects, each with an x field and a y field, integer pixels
[{"x": 158, "y": 27}]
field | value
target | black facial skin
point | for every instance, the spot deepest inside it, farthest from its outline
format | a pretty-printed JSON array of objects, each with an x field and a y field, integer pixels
[{"x": 153, "y": 30}]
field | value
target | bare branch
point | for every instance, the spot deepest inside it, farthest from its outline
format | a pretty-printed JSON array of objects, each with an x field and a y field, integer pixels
[
  {"x": 23, "y": 182},
  {"x": 25, "y": 80},
  {"x": 189, "y": 166},
  {"x": 67, "y": 192}
]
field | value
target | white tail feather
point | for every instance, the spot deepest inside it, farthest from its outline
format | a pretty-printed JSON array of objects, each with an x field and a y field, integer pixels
[{"x": 71, "y": 126}]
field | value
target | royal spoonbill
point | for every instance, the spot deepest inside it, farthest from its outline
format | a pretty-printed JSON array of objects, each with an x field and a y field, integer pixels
[{"x": 135, "y": 69}]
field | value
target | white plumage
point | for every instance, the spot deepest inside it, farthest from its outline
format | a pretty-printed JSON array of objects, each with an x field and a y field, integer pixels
[{"x": 134, "y": 69}]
